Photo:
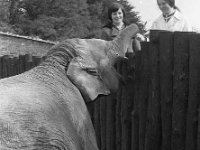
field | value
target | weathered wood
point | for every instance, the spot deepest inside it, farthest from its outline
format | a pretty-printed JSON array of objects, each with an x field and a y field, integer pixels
[
  {"x": 5, "y": 66},
  {"x": 1, "y": 67},
  {"x": 180, "y": 90},
  {"x": 125, "y": 113},
  {"x": 135, "y": 110},
  {"x": 153, "y": 134},
  {"x": 130, "y": 93},
  {"x": 194, "y": 87},
  {"x": 166, "y": 86},
  {"x": 119, "y": 98},
  {"x": 36, "y": 60},
  {"x": 21, "y": 63},
  {"x": 28, "y": 62},
  {"x": 198, "y": 133},
  {"x": 103, "y": 122},
  {"x": 135, "y": 129},
  {"x": 96, "y": 120},
  {"x": 110, "y": 122},
  {"x": 10, "y": 66},
  {"x": 16, "y": 65},
  {"x": 91, "y": 110},
  {"x": 118, "y": 119},
  {"x": 154, "y": 36},
  {"x": 143, "y": 94},
  {"x": 125, "y": 123}
]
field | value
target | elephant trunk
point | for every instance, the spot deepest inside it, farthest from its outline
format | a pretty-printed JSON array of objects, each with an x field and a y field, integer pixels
[{"x": 124, "y": 39}]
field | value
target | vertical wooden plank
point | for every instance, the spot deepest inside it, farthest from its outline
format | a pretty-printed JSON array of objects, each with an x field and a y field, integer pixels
[
  {"x": 130, "y": 83},
  {"x": 126, "y": 107},
  {"x": 16, "y": 64},
  {"x": 118, "y": 119},
  {"x": 11, "y": 65},
  {"x": 103, "y": 122},
  {"x": 110, "y": 122},
  {"x": 36, "y": 60},
  {"x": 123, "y": 111},
  {"x": 1, "y": 67},
  {"x": 194, "y": 87},
  {"x": 4, "y": 66},
  {"x": 198, "y": 133},
  {"x": 90, "y": 107},
  {"x": 166, "y": 86},
  {"x": 153, "y": 133},
  {"x": 180, "y": 90},
  {"x": 28, "y": 62},
  {"x": 21, "y": 60},
  {"x": 120, "y": 69},
  {"x": 96, "y": 120},
  {"x": 143, "y": 94},
  {"x": 135, "y": 110}
]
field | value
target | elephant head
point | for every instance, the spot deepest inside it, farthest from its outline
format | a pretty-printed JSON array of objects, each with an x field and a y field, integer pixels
[
  {"x": 43, "y": 108},
  {"x": 92, "y": 70}
]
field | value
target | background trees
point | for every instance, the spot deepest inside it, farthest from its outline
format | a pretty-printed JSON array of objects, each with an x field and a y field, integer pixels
[{"x": 59, "y": 19}]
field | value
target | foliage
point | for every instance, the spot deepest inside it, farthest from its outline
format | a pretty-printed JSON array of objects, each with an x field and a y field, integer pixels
[
  {"x": 132, "y": 16},
  {"x": 4, "y": 16},
  {"x": 95, "y": 9},
  {"x": 59, "y": 19},
  {"x": 54, "y": 19}
]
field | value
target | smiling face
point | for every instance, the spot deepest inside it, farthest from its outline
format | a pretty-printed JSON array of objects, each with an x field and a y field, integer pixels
[
  {"x": 117, "y": 17},
  {"x": 165, "y": 7}
]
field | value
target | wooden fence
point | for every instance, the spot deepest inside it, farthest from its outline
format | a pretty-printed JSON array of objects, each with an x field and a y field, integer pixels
[
  {"x": 157, "y": 106},
  {"x": 13, "y": 65}
]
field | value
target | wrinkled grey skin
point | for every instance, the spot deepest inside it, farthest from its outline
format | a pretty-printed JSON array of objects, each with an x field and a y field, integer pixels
[{"x": 43, "y": 109}]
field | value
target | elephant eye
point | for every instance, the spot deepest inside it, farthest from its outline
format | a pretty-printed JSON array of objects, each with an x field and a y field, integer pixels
[{"x": 92, "y": 71}]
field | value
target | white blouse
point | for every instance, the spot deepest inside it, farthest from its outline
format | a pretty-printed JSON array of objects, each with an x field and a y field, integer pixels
[{"x": 176, "y": 23}]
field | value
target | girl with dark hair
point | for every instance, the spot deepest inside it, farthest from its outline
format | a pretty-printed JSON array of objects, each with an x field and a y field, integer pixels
[
  {"x": 171, "y": 18},
  {"x": 116, "y": 16}
]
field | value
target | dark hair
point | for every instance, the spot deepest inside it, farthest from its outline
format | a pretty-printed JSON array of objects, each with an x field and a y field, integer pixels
[
  {"x": 113, "y": 8},
  {"x": 172, "y": 4}
]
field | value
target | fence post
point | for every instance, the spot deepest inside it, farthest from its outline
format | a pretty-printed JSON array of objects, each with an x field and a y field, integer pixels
[
  {"x": 102, "y": 105},
  {"x": 28, "y": 62},
  {"x": 1, "y": 67},
  {"x": 180, "y": 89},
  {"x": 143, "y": 93},
  {"x": 21, "y": 63},
  {"x": 118, "y": 119},
  {"x": 198, "y": 133},
  {"x": 36, "y": 60},
  {"x": 194, "y": 87},
  {"x": 166, "y": 86},
  {"x": 135, "y": 110},
  {"x": 153, "y": 135},
  {"x": 97, "y": 119},
  {"x": 5, "y": 72},
  {"x": 126, "y": 105}
]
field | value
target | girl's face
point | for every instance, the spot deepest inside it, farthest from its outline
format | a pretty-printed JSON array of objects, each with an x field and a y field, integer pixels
[
  {"x": 117, "y": 17},
  {"x": 164, "y": 7}
]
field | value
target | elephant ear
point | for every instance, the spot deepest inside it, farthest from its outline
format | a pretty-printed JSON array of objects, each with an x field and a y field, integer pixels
[{"x": 86, "y": 79}]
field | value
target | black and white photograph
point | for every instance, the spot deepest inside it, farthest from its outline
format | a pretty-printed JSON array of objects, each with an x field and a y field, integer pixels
[{"x": 99, "y": 75}]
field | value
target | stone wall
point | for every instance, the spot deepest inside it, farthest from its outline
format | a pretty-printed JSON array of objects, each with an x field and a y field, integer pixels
[{"x": 11, "y": 44}]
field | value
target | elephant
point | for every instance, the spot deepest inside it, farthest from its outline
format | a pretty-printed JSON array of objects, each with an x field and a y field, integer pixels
[{"x": 45, "y": 108}]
